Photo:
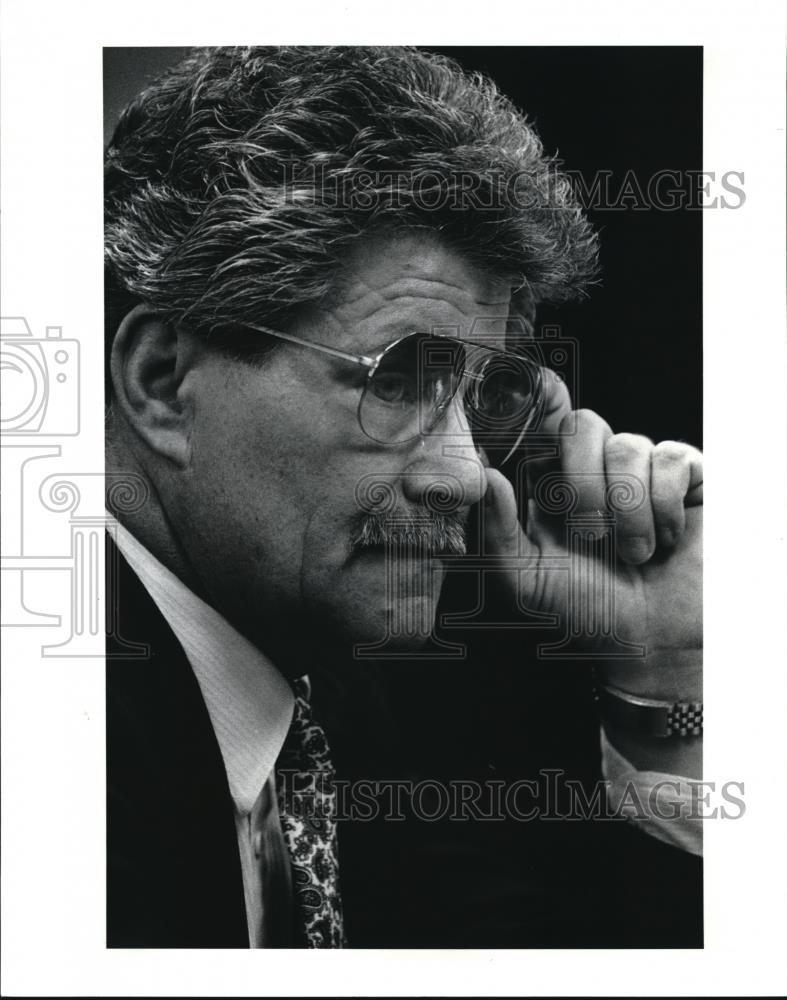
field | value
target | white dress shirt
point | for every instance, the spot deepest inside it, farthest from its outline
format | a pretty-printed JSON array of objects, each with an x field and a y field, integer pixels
[
  {"x": 661, "y": 805},
  {"x": 250, "y": 705}
]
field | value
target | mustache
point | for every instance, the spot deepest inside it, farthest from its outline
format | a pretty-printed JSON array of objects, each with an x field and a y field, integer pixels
[{"x": 427, "y": 532}]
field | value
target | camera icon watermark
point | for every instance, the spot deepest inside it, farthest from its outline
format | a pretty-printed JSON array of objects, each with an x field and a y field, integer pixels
[
  {"x": 40, "y": 401},
  {"x": 40, "y": 381}
]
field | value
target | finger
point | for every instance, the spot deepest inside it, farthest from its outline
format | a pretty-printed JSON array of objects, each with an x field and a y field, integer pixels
[
  {"x": 627, "y": 463},
  {"x": 503, "y": 534},
  {"x": 583, "y": 435},
  {"x": 557, "y": 404},
  {"x": 541, "y": 444},
  {"x": 675, "y": 483},
  {"x": 670, "y": 474},
  {"x": 693, "y": 496}
]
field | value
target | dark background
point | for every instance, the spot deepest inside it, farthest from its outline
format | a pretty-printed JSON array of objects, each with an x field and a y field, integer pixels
[
  {"x": 499, "y": 713},
  {"x": 615, "y": 109}
]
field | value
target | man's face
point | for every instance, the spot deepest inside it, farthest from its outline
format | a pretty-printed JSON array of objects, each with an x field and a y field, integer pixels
[{"x": 280, "y": 467}]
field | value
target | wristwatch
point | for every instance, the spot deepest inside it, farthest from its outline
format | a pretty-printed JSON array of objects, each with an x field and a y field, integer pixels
[{"x": 647, "y": 716}]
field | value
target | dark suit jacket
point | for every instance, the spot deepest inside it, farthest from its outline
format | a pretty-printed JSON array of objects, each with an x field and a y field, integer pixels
[
  {"x": 497, "y": 715},
  {"x": 173, "y": 870},
  {"x": 174, "y": 877}
]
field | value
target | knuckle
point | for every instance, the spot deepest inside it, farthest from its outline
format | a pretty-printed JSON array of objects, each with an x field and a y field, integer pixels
[
  {"x": 672, "y": 453},
  {"x": 586, "y": 416},
  {"x": 624, "y": 446},
  {"x": 581, "y": 421}
]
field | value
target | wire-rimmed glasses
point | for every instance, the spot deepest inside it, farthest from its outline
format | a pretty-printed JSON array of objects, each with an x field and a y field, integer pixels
[{"x": 412, "y": 381}]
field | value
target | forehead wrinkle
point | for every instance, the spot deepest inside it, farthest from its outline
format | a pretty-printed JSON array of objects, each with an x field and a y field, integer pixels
[
  {"x": 374, "y": 316},
  {"x": 410, "y": 287},
  {"x": 412, "y": 283},
  {"x": 419, "y": 260},
  {"x": 417, "y": 279}
]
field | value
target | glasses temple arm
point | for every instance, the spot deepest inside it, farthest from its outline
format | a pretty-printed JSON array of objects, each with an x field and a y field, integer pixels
[{"x": 360, "y": 359}]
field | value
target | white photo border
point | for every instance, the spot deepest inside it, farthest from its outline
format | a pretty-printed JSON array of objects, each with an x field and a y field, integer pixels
[{"x": 53, "y": 821}]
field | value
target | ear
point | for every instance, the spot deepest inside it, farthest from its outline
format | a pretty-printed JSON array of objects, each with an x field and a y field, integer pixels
[{"x": 149, "y": 365}]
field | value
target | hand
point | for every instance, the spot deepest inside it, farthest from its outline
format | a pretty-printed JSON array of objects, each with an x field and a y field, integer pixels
[{"x": 655, "y": 574}]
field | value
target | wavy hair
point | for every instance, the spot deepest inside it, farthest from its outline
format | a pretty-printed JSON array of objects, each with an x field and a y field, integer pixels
[{"x": 235, "y": 182}]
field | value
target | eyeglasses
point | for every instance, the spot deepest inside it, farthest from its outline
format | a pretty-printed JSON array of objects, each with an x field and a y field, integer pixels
[{"x": 411, "y": 383}]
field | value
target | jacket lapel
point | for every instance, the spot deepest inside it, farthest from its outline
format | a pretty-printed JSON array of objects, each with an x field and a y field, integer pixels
[{"x": 173, "y": 871}]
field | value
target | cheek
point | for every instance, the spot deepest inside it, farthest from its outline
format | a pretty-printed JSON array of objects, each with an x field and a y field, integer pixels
[
  {"x": 270, "y": 482},
  {"x": 278, "y": 503}
]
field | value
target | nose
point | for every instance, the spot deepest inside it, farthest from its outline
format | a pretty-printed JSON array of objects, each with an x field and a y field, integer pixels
[{"x": 445, "y": 471}]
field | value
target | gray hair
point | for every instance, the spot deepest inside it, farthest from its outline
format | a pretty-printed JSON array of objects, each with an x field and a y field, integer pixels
[{"x": 236, "y": 181}]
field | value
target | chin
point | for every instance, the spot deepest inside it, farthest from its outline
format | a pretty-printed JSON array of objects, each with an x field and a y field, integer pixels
[
  {"x": 363, "y": 606},
  {"x": 405, "y": 627},
  {"x": 387, "y": 631}
]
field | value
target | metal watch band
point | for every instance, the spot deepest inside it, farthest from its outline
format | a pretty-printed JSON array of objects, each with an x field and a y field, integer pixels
[{"x": 647, "y": 716}]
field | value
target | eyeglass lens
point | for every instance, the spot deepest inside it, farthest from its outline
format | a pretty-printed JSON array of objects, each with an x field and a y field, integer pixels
[{"x": 416, "y": 379}]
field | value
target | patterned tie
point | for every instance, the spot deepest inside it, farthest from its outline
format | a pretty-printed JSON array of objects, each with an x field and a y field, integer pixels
[{"x": 307, "y": 807}]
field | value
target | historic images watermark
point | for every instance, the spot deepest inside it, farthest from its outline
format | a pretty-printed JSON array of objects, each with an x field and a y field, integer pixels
[
  {"x": 358, "y": 189},
  {"x": 549, "y": 796}
]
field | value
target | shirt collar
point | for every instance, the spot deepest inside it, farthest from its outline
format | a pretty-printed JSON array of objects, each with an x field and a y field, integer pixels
[{"x": 249, "y": 702}]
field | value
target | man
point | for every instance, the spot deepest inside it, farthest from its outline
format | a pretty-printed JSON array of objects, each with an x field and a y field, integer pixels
[{"x": 322, "y": 272}]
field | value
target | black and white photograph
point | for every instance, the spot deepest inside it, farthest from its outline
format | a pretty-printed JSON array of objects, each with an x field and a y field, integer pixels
[
  {"x": 383, "y": 538},
  {"x": 380, "y": 586}
]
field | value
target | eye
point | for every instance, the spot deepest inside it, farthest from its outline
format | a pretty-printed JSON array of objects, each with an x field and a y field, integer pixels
[
  {"x": 393, "y": 388},
  {"x": 501, "y": 401},
  {"x": 504, "y": 394}
]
